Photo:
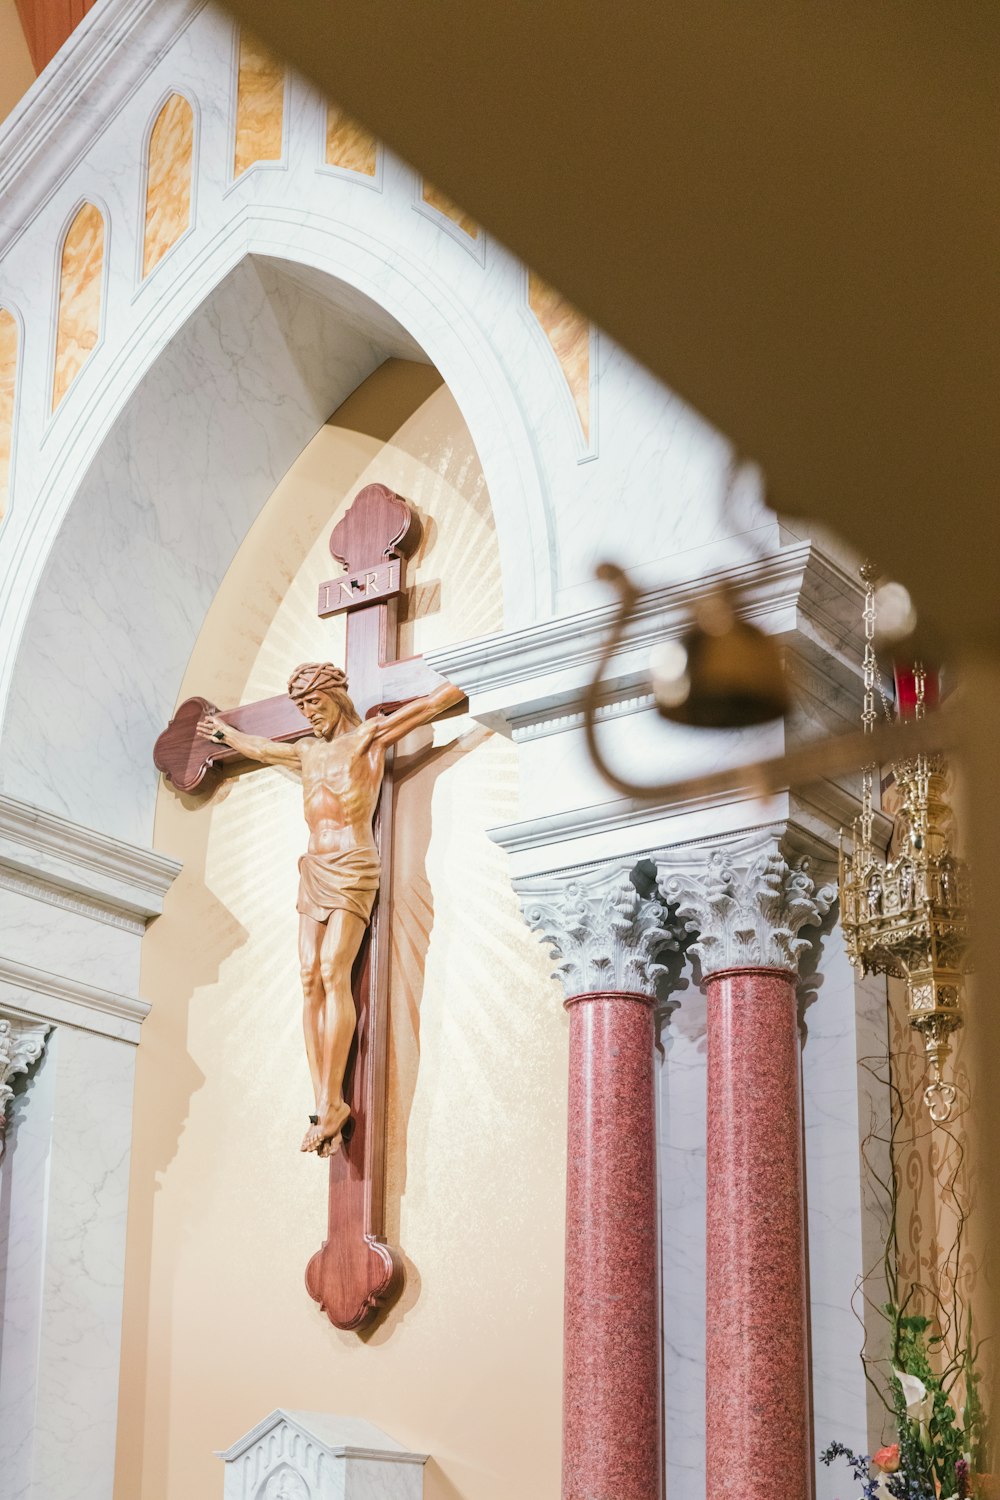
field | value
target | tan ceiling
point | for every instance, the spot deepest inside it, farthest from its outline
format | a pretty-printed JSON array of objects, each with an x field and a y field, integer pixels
[
  {"x": 17, "y": 72},
  {"x": 788, "y": 211}
]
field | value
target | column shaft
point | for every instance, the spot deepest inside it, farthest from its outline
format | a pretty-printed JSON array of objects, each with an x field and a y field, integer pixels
[
  {"x": 611, "y": 1423},
  {"x": 757, "y": 1354}
]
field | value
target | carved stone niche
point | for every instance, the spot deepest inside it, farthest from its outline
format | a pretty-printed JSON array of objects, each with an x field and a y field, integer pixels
[{"x": 310, "y": 1455}]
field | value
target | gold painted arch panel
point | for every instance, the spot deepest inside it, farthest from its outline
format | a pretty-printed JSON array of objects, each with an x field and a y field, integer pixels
[
  {"x": 9, "y": 351},
  {"x": 169, "y": 173},
  {"x": 81, "y": 284}
]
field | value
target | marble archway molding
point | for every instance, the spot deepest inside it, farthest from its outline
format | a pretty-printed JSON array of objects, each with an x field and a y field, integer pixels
[
  {"x": 339, "y": 305},
  {"x": 413, "y": 295}
]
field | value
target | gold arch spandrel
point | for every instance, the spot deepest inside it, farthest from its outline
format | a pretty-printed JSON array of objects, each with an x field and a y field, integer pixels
[
  {"x": 568, "y": 331},
  {"x": 260, "y": 105},
  {"x": 444, "y": 205},
  {"x": 81, "y": 274},
  {"x": 8, "y": 388},
  {"x": 348, "y": 145},
  {"x": 170, "y": 164}
]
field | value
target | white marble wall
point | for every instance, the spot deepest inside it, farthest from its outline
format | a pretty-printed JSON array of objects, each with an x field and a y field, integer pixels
[
  {"x": 64, "y": 1198},
  {"x": 681, "y": 1114},
  {"x": 73, "y": 907},
  {"x": 845, "y": 1023},
  {"x": 23, "y": 1209}
]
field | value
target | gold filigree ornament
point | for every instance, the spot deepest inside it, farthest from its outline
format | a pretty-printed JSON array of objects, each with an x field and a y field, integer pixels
[{"x": 908, "y": 915}]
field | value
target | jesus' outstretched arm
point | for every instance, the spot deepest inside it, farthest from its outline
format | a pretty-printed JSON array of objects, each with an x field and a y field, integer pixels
[
  {"x": 392, "y": 728},
  {"x": 253, "y": 746}
]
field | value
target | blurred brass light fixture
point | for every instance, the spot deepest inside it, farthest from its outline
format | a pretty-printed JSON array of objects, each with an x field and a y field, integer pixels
[
  {"x": 709, "y": 683},
  {"x": 724, "y": 673}
]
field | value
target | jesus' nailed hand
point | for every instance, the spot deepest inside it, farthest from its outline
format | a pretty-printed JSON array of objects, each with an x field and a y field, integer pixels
[{"x": 341, "y": 768}]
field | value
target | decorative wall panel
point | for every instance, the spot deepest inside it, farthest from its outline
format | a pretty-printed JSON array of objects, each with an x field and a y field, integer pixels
[
  {"x": 8, "y": 389},
  {"x": 444, "y": 205},
  {"x": 568, "y": 331},
  {"x": 260, "y": 105},
  {"x": 348, "y": 145},
  {"x": 168, "y": 180},
  {"x": 81, "y": 275}
]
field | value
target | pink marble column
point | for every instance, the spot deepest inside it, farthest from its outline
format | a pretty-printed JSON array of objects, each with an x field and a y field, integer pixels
[
  {"x": 748, "y": 908},
  {"x": 757, "y": 1390},
  {"x": 611, "y": 1400}
]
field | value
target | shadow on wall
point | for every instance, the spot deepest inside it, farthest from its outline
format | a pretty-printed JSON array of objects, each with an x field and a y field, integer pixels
[{"x": 416, "y": 774}]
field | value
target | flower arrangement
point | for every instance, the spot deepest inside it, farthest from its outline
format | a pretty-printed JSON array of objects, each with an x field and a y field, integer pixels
[{"x": 941, "y": 1451}]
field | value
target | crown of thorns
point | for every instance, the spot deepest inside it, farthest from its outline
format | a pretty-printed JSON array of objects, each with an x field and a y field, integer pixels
[{"x": 313, "y": 676}]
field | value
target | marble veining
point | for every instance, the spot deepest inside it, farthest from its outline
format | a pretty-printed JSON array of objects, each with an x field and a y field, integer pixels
[
  {"x": 568, "y": 331},
  {"x": 611, "y": 1405},
  {"x": 248, "y": 382},
  {"x": 681, "y": 1117},
  {"x": 168, "y": 180},
  {"x": 755, "y": 1249},
  {"x": 8, "y": 389},
  {"x": 23, "y": 1171},
  {"x": 348, "y": 144},
  {"x": 80, "y": 282},
  {"x": 63, "y": 1195},
  {"x": 260, "y": 105}
]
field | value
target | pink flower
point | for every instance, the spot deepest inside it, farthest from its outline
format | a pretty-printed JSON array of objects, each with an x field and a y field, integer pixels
[{"x": 887, "y": 1459}]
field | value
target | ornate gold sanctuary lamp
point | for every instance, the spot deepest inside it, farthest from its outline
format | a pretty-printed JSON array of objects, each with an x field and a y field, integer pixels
[{"x": 907, "y": 915}]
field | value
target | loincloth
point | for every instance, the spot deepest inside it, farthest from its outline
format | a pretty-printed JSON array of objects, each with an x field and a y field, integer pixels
[{"x": 343, "y": 881}]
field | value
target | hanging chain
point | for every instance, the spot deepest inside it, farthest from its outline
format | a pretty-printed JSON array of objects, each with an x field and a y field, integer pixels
[
  {"x": 920, "y": 690},
  {"x": 868, "y": 714}
]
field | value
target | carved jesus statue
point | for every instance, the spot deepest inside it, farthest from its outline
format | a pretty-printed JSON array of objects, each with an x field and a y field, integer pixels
[{"x": 341, "y": 768}]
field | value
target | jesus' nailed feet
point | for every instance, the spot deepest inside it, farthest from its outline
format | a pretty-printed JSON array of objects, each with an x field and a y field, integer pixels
[{"x": 325, "y": 1133}]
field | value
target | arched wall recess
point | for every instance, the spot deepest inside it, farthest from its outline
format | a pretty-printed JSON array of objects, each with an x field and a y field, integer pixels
[
  {"x": 81, "y": 288},
  {"x": 169, "y": 178},
  {"x": 307, "y": 338}
]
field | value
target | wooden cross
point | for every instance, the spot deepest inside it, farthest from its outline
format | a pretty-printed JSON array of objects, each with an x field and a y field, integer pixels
[{"x": 355, "y": 1273}]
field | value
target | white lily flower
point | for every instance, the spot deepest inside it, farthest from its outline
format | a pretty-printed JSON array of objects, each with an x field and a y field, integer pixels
[{"x": 919, "y": 1400}]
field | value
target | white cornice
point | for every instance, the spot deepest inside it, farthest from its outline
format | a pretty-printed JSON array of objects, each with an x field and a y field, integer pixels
[
  {"x": 31, "y": 992},
  {"x": 55, "y": 860},
  {"x": 532, "y": 681},
  {"x": 84, "y": 86}
]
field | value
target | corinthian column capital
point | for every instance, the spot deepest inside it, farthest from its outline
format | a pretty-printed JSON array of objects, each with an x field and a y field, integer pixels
[
  {"x": 748, "y": 915},
  {"x": 602, "y": 934},
  {"x": 21, "y": 1044}
]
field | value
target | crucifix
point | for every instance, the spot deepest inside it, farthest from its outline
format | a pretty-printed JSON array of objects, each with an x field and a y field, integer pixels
[{"x": 342, "y": 747}]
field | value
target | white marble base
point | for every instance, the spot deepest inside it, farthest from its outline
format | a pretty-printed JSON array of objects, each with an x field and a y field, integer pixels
[{"x": 307, "y": 1455}]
